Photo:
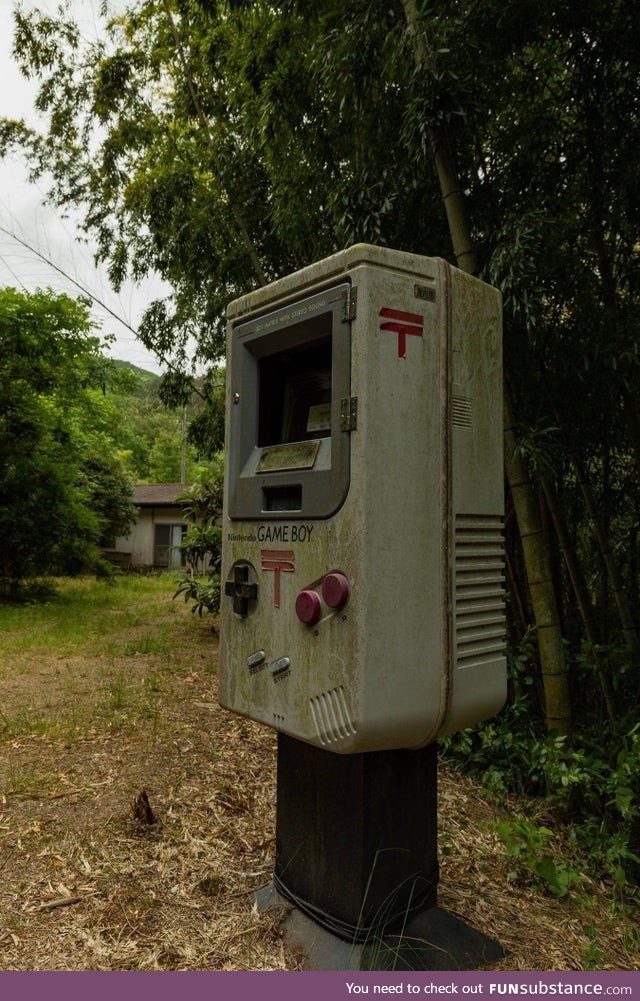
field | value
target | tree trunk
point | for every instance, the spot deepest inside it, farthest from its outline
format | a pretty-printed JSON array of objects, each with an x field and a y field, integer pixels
[
  {"x": 554, "y": 555},
  {"x": 629, "y": 627},
  {"x": 633, "y": 422},
  {"x": 580, "y": 590},
  {"x": 552, "y": 661},
  {"x": 555, "y": 673}
]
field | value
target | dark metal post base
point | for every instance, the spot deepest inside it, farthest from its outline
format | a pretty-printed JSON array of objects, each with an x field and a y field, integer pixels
[
  {"x": 356, "y": 835},
  {"x": 432, "y": 940},
  {"x": 356, "y": 869}
]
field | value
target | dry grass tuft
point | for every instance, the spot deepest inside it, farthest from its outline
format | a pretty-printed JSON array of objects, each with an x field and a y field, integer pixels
[{"x": 127, "y": 703}]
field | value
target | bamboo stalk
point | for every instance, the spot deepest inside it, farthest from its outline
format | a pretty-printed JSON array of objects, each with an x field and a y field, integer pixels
[
  {"x": 629, "y": 627},
  {"x": 552, "y": 661},
  {"x": 580, "y": 590},
  {"x": 553, "y": 665},
  {"x": 450, "y": 189}
]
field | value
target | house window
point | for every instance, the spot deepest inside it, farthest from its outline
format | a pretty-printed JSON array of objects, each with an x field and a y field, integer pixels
[{"x": 167, "y": 550}]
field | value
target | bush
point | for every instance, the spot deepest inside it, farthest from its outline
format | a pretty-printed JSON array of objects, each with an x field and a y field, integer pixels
[
  {"x": 590, "y": 780},
  {"x": 202, "y": 506}
]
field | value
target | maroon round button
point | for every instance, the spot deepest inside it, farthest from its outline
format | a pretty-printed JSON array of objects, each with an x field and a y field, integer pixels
[
  {"x": 308, "y": 607},
  {"x": 336, "y": 590}
]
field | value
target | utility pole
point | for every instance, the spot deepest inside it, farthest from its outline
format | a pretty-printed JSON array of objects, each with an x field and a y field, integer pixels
[{"x": 183, "y": 446}]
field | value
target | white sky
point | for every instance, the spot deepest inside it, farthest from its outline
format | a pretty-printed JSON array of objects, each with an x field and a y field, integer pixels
[{"x": 23, "y": 212}]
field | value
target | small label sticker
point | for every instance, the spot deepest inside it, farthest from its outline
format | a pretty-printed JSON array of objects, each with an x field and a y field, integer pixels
[{"x": 319, "y": 418}]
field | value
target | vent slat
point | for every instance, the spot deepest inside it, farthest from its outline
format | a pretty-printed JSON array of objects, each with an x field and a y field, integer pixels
[
  {"x": 481, "y": 661},
  {"x": 484, "y": 648},
  {"x": 466, "y": 606},
  {"x": 483, "y": 579},
  {"x": 481, "y": 637},
  {"x": 495, "y": 567},
  {"x": 481, "y": 540},
  {"x": 482, "y": 521},
  {"x": 473, "y": 622}
]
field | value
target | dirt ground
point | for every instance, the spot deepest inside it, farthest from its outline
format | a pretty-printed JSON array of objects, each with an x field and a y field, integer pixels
[{"x": 105, "y": 696}]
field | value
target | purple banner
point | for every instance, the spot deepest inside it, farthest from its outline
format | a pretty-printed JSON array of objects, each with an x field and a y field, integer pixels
[{"x": 312, "y": 986}]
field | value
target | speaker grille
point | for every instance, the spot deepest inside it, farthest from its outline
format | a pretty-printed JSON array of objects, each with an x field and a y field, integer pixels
[
  {"x": 331, "y": 716},
  {"x": 480, "y": 623}
]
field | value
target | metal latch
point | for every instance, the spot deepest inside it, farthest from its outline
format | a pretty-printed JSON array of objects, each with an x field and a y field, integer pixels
[
  {"x": 349, "y": 304},
  {"x": 349, "y": 413}
]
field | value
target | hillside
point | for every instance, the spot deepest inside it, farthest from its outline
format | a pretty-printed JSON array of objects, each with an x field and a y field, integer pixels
[{"x": 149, "y": 382}]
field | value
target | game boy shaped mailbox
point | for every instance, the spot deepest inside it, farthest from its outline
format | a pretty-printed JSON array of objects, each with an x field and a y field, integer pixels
[{"x": 362, "y": 602}]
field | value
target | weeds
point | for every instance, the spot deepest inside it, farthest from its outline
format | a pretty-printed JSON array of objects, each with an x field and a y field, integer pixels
[
  {"x": 590, "y": 780},
  {"x": 527, "y": 846}
]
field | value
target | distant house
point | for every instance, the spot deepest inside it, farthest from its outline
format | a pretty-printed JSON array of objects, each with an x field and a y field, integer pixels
[{"x": 155, "y": 539}]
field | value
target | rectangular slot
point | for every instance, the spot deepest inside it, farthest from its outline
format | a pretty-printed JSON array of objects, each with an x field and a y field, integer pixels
[
  {"x": 287, "y": 498},
  {"x": 294, "y": 394}
]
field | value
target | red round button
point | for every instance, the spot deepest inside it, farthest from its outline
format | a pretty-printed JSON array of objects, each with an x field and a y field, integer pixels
[
  {"x": 308, "y": 607},
  {"x": 336, "y": 590}
]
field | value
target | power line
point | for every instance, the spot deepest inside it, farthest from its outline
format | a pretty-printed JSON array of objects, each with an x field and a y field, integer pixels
[{"x": 94, "y": 298}]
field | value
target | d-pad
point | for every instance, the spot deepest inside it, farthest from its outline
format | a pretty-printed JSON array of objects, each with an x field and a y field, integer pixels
[{"x": 241, "y": 590}]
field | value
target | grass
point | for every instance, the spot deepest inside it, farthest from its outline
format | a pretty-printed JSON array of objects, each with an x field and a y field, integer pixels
[
  {"x": 109, "y": 690},
  {"x": 86, "y": 615}
]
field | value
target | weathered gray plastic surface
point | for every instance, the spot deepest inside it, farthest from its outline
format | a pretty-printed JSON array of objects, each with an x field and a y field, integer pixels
[{"x": 418, "y": 650}]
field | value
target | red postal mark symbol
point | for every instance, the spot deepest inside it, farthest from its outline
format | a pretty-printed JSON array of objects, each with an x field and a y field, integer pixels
[
  {"x": 403, "y": 324},
  {"x": 277, "y": 561}
]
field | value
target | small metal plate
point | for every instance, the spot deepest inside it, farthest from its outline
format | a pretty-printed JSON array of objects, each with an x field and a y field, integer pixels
[
  {"x": 297, "y": 455},
  {"x": 424, "y": 292}
]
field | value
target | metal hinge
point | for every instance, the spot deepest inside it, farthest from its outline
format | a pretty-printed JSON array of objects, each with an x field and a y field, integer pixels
[
  {"x": 349, "y": 413},
  {"x": 349, "y": 304}
]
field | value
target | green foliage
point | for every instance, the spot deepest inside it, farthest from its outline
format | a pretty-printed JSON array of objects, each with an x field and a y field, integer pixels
[
  {"x": 501, "y": 750},
  {"x": 526, "y": 846},
  {"x": 202, "y": 506},
  {"x": 156, "y": 427},
  {"x": 591, "y": 780},
  {"x": 63, "y": 489}
]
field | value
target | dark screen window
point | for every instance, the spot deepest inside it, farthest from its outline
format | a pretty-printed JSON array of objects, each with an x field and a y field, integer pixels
[{"x": 295, "y": 394}]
